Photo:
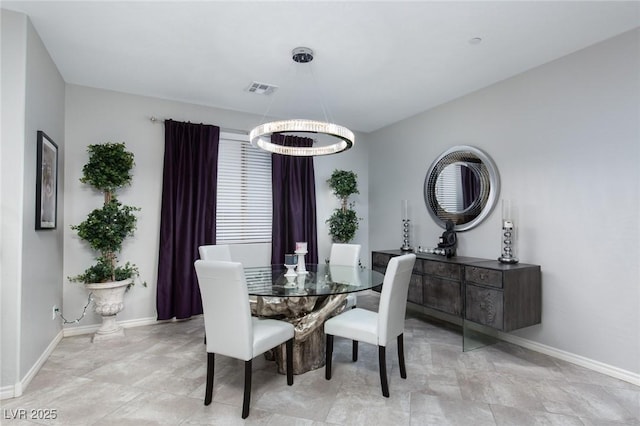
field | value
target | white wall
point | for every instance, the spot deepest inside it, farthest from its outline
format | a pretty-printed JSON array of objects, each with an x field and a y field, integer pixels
[
  {"x": 32, "y": 100},
  {"x": 565, "y": 137},
  {"x": 98, "y": 116},
  {"x": 14, "y": 61}
]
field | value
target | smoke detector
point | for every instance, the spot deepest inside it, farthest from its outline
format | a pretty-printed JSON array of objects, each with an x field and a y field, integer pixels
[{"x": 261, "y": 88}]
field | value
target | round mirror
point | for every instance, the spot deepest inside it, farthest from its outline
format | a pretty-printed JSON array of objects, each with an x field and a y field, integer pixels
[{"x": 462, "y": 185}]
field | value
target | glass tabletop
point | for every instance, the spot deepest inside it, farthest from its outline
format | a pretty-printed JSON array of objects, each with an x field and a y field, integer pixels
[{"x": 320, "y": 280}]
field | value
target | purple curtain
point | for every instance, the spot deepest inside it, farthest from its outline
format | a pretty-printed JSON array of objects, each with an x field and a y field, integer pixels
[
  {"x": 470, "y": 186},
  {"x": 188, "y": 215},
  {"x": 294, "y": 202}
]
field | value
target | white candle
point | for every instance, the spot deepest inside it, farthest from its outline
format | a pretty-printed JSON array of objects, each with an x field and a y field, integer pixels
[
  {"x": 405, "y": 209},
  {"x": 301, "y": 246},
  {"x": 506, "y": 210}
]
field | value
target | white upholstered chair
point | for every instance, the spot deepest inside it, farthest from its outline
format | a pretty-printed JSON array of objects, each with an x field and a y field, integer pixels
[
  {"x": 215, "y": 252},
  {"x": 251, "y": 254},
  {"x": 361, "y": 325},
  {"x": 230, "y": 329},
  {"x": 220, "y": 252},
  {"x": 248, "y": 254},
  {"x": 347, "y": 255}
]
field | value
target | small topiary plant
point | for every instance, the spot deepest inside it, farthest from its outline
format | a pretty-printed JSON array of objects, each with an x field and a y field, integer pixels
[
  {"x": 343, "y": 223},
  {"x": 105, "y": 229}
]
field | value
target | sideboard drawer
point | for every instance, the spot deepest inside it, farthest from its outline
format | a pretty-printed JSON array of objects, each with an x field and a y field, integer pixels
[
  {"x": 441, "y": 269},
  {"x": 484, "y": 306},
  {"x": 381, "y": 269},
  {"x": 380, "y": 261},
  {"x": 442, "y": 294},
  {"x": 483, "y": 276},
  {"x": 415, "y": 289},
  {"x": 417, "y": 267}
]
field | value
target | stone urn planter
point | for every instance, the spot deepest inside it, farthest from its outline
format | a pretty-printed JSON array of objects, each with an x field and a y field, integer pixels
[
  {"x": 108, "y": 301},
  {"x": 104, "y": 230}
]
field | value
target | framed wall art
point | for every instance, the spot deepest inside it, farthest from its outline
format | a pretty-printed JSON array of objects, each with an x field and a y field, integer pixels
[{"x": 46, "y": 182}]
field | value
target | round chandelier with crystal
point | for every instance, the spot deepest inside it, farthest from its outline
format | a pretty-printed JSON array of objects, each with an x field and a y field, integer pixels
[{"x": 341, "y": 138}]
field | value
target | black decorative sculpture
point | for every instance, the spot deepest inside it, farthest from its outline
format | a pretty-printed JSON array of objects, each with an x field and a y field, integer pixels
[{"x": 448, "y": 241}]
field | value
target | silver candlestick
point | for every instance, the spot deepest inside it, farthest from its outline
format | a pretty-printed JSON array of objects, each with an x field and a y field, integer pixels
[
  {"x": 508, "y": 253},
  {"x": 405, "y": 235},
  {"x": 508, "y": 234}
]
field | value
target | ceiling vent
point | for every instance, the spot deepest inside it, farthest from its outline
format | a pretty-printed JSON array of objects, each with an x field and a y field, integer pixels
[{"x": 261, "y": 88}]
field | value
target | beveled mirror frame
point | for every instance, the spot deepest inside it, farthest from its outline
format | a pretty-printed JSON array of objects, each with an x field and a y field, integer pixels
[{"x": 489, "y": 187}]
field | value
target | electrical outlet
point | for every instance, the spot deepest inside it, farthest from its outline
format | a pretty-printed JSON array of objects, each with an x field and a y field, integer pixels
[{"x": 54, "y": 311}]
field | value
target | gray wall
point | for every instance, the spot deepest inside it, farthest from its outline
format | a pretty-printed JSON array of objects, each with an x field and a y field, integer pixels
[
  {"x": 565, "y": 138},
  {"x": 41, "y": 285},
  {"x": 32, "y": 100},
  {"x": 14, "y": 51},
  {"x": 97, "y": 116}
]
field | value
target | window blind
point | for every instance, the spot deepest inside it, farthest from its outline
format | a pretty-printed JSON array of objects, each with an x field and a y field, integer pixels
[
  {"x": 449, "y": 188},
  {"x": 244, "y": 192}
]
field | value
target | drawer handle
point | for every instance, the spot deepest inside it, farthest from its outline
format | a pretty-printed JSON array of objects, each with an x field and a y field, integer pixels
[{"x": 483, "y": 277}]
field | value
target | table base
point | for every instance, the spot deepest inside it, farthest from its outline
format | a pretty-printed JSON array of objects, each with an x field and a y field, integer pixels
[{"x": 309, "y": 339}]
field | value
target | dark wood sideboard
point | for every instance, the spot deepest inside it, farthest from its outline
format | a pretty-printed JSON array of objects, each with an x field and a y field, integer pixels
[{"x": 501, "y": 296}]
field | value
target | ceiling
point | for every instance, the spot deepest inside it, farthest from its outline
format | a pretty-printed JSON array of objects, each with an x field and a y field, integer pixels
[{"x": 375, "y": 62}]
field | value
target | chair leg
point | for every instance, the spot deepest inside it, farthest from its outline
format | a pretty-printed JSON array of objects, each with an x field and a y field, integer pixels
[
  {"x": 382, "y": 360},
  {"x": 403, "y": 370},
  {"x": 247, "y": 389},
  {"x": 289, "y": 348},
  {"x": 354, "y": 351},
  {"x": 209, "y": 388},
  {"x": 329, "y": 354}
]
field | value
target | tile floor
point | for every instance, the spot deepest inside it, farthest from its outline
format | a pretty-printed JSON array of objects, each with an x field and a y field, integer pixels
[{"x": 156, "y": 377}]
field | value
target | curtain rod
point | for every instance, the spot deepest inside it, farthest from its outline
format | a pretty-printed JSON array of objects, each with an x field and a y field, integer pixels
[{"x": 154, "y": 119}]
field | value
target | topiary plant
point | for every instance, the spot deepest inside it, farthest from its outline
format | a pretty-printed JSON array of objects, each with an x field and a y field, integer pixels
[
  {"x": 104, "y": 229},
  {"x": 343, "y": 223}
]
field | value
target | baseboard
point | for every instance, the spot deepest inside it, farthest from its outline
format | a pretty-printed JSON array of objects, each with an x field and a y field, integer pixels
[
  {"x": 598, "y": 366},
  {"x": 92, "y": 328},
  {"x": 16, "y": 390},
  {"x": 7, "y": 392}
]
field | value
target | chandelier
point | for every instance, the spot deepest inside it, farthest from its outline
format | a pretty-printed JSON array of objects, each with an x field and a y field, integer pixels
[{"x": 341, "y": 138}]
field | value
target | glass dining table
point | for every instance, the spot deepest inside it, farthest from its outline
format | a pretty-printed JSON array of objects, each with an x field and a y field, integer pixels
[
  {"x": 320, "y": 280},
  {"x": 306, "y": 301}
]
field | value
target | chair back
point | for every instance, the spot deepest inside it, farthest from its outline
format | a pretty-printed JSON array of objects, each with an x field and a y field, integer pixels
[
  {"x": 393, "y": 299},
  {"x": 227, "y": 316},
  {"x": 251, "y": 254},
  {"x": 343, "y": 274},
  {"x": 344, "y": 254},
  {"x": 215, "y": 252}
]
